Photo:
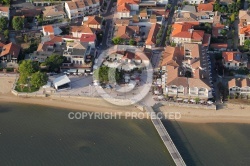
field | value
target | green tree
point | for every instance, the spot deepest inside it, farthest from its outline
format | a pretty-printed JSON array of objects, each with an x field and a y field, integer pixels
[
  {"x": 197, "y": 99},
  {"x": 132, "y": 42},
  {"x": 39, "y": 79},
  {"x": 223, "y": 32},
  {"x": 3, "y": 23},
  {"x": 6, "y": 33},
  {"x": 173, "y": 44},
  {"x": 232, "y": 17},
  {"x": 247, "y": 43},
  {"x": 158, "y": 41},
  {"x": 17, "y": 22},
  {"x": 117, "y": 40},
  {"x": 185, "y": 3},
  {"x": 25, "y": 39},
  {"x": 169, "y": 6},
  {"x": 101, "y": 74},
  {"x": 54, "y": 62},
  {"x": 27, "y": 67},
  {"x": 216, "y": 6},
  {"x": 106, "y": 74},
  {"x": 23, "y": 79},
  {"x": 6, "y": 2}
]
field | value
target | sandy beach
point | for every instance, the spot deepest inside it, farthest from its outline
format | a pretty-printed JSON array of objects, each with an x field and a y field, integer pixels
[
  {"x": 229, "y": 112},
  {"x": 86, "y": 104}
]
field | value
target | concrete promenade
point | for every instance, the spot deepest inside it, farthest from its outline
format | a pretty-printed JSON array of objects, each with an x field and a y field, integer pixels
[{"x": 166, "y": 138}]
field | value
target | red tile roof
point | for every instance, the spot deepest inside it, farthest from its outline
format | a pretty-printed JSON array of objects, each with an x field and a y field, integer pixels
[
  {"x": 206, "y": 39},
  {"x": 123, "y": 8},
  {"x": 55, "y": 39},
  {"x": 48, "y": 28},
  {"x": 12, "y": 49},
  {"x": 231, "y": 56},
  {"x": 216, "y": 29},
  {"x": 184, "y": 30},
  {"x": 94, "y": 20},
  {"x": 88, "y": 38},
  {"x": 205, "y": 7},
  {"x": 239, "y": 82},
  {"x": 151, "y": 39},
  {"x": 120, "y": 2},
  {"x": 219, "y": 45}
]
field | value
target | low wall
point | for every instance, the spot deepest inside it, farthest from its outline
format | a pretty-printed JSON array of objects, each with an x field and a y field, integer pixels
[
  {"x": 21, "y": 94},
  {"x": 211, "y": 107},
  {"x": 99, "y": 98}
]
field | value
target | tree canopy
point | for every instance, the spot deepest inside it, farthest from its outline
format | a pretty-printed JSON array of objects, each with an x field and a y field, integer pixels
[
  {"x": 17, "y": 22},
  {"x": 117, "y": 40},
  {"x": 6, "y": 33},
  {"x": 5, "y": 2},
  {"x": 3, "y": 23},
  {"x": 106, "y": 74},
  {"x": 223, "y": 32},
  {"x": 39, "y": 79},
  {"x": 247, "y": 43},
  {"x": 27, "y": 67},
  {"x": 132, "y": 42},
  {"x": 54, "y": 62}
]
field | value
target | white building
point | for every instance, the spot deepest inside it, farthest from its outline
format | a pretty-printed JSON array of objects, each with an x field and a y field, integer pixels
[
  {"x": 81, "y": 8},
  {"x": 195, "y": 1},
  {"x": 5, "y": 12},
  {"x": 239, "y": 86}
]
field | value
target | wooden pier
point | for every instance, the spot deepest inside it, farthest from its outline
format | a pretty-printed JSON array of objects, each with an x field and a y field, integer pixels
[{"x": 165, "y": 138}]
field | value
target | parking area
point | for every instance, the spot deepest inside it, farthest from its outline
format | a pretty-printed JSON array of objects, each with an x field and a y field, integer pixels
[{"x": 208, "y": 66}]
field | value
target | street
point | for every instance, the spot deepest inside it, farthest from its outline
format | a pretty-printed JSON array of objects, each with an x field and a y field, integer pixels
[
  {"x": 108, "y": 16},
  {"x": 169, "y": 22}
]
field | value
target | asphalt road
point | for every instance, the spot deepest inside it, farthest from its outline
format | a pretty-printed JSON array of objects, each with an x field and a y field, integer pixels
[
  {"x": 108, "y": 16},
  {"x": 169, "y": 22}
]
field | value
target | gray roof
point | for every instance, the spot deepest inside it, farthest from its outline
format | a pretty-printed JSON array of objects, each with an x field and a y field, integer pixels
[{"x": 189, "y": 8}]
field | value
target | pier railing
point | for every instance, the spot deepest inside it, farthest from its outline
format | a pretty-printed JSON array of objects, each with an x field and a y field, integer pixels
[{"x": 166, "y": 138}]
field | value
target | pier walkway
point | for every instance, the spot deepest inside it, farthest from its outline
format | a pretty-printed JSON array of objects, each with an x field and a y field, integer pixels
[{"x": 166, "y": 138}]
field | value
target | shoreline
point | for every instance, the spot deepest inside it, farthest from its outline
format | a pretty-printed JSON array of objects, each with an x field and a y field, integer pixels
[
  {"x": 96, "y": 105},
  {"x": 230, "y": 114}
]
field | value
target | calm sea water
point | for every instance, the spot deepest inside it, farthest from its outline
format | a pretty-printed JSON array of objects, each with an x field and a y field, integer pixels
[
  {"x": 32, "y": 135},
  {"x": 215, "y": 144}
]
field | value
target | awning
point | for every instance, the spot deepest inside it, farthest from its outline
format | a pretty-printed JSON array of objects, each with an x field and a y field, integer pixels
[
  {"x": 81, "y": 71},
  {"x": 71, "y": 71}
]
